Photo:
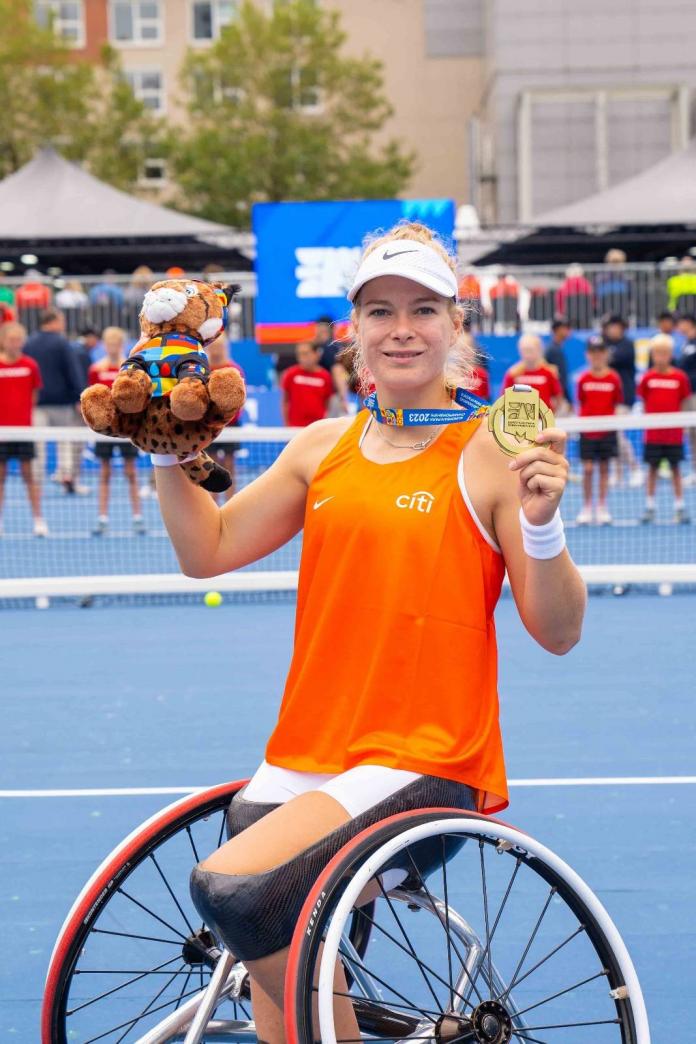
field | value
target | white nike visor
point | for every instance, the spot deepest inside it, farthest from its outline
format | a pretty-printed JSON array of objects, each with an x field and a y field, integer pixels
[{"x": 411, "y": 260}]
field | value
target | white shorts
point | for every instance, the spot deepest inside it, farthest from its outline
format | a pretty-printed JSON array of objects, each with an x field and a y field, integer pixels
[{"x": 357, "y": 789}]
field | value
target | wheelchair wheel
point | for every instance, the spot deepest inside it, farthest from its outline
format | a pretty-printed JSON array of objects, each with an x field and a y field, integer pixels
[
  {"x": 479, "y": 934},
  {"x": 132, "y": 959}
]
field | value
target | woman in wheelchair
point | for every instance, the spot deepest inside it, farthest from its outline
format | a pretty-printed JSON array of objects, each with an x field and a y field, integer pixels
[{"x": 391, "y": 699}]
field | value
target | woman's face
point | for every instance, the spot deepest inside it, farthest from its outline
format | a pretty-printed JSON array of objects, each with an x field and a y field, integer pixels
[{"x": 405, "y": 330}]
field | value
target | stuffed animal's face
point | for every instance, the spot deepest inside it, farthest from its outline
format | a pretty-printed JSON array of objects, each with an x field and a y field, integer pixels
[{"x": 188, "y": 306}]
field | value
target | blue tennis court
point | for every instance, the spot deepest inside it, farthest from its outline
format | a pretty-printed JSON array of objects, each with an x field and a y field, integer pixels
[{"x": 104, "y": 698}]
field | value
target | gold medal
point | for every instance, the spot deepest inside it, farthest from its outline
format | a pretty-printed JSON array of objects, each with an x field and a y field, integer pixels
[{"x": 517, "y": 418}]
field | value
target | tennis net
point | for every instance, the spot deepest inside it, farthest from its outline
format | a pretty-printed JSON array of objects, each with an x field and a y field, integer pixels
[{"x": 83, "y": 559}]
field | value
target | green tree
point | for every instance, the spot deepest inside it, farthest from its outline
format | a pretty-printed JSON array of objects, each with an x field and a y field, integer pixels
[
  {"x": 87, "y": 112},
  {"x": 276, "y": 112}
]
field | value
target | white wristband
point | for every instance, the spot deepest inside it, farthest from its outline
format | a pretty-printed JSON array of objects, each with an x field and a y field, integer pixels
[
  {"x": 545, "y": 541},
  {"x": 168, "y": 460}
]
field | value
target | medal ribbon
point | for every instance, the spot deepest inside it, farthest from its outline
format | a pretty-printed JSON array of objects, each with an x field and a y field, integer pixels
[{"x": 473, "y": 408}]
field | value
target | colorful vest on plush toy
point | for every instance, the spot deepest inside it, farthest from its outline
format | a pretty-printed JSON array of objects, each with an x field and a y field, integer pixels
[{"x": 167, "y": 359}]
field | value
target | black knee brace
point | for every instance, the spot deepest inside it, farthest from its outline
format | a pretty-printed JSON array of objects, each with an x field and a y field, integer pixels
[{"x": 255, "y": 914}]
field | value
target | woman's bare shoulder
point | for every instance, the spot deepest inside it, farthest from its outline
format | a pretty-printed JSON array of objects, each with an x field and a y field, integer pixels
[{"x": 308, "y": 448}]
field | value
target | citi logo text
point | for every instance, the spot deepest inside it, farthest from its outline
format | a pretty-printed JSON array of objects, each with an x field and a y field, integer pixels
[{"x": 421, "y": 501}]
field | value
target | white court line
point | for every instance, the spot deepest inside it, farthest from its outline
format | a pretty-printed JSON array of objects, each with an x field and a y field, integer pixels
[{"x": 580, "y": 781}]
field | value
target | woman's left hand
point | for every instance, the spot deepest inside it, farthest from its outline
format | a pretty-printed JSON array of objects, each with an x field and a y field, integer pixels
[{"x": 543, "y": 472}]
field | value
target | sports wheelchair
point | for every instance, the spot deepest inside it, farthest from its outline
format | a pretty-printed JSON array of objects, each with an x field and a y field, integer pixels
[{"x": 498, "y": 941}]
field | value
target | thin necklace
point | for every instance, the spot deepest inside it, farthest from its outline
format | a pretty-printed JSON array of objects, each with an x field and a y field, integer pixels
[{"x": 423, "y": 444}]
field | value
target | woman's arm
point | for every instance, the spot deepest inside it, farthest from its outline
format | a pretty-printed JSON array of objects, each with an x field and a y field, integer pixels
[
  {"x": 549, "y": 592},
  {"x": 260, "y": 518}
]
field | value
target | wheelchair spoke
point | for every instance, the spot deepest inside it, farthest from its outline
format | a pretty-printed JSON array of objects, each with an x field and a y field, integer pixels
[
  {"x": 147, "y": 910},
  {"x": 382, "y": 982},
  {"x": 132, "y": 935},
  {"x": 169, "y": 889},
  {"x": 485, "y": 914},
  {"x": 537, "y": 926},
  {"x": 146, "y": 1009},
  {"x": 394, "y": 1004},
  {"x": 153, "y": 1011},
  {"x": 122, "y": 986},
  {"x": 425, "y": 888},
  {"x": 549, "y": 955},
  {"x": 497, "y": 920},
  {"x": 421, "y": 963},
  {"x": 447, "y": 927},
  {"x": 410, "y": 950},
  {"x": 193, "y": 844},
  {"x": 222, "y": 829},
  {"x": 568, "y": 989},
  {"x": 183, "y": 988},
  {"x": 573, "y": 1025}
]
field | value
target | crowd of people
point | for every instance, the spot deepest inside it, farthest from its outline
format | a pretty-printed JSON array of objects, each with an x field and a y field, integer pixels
[
  {"x": 609, "y": 385},
  {"x": 42, "y": 375}
]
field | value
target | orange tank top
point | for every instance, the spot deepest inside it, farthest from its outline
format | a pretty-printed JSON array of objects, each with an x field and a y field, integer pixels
[{"x": 395, "y": 659}]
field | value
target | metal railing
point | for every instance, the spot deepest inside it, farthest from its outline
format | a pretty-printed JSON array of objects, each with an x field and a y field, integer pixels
[
  {"x": 500, "y": 300},
  {"x": 509, "y": 299},
  {"x": 113, "y": 300}
]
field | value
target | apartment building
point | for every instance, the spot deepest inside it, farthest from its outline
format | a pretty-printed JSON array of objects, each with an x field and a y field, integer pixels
[
  {"x": 431, "y": 50},
  {"x": 517, "y": 106}
]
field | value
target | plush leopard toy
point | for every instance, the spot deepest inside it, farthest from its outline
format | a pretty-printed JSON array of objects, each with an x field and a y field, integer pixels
[{"x": 166, "y": 400}]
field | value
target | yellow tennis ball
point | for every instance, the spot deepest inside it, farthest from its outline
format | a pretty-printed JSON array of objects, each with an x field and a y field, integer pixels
[{"x": 213, "y": 598}]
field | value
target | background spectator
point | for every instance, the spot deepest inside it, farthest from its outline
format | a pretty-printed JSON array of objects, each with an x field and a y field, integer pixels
[
  {"x": 598, "y": 395},
  {"x": 329, "y": 350},
  {"x": 106, "y": 300},
  {"x": 687, "y": 363},
  {"x": 622, "y": 358},
  {"x": 140, "y": 282},
  {"x": 479, "y": 383},
  {"x": 20, "y": 381},
  {"x": 613, "y": 288},
  {"x": 72, "y": 300},
  {"x": 33, "y": 294},
  {"x": 664, "y": 389},
  {"x": 307, "y": 388},
  {"x": 105, "y": 371},
  {"x": 60, "y": 396},
  {"x": 681, "y": 288},
  {"x": 555, "y": 352},
  {"x": 71, "y": 296},
  {"x": 575, "y": 298},
  {"x": 666, "y": 323},
  {"x": 535, "y": 371}
]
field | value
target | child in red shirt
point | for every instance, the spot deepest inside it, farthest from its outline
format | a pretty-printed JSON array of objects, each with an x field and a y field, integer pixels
[
  {"x": 535, "y": 371},
  {"x": 20, "y": 381},
  {"x": 105, "y": 371},
  {"x": 663, "y": 388},
  {"x": 307, "y": 388},
  {"x": 599, "y": 392}
]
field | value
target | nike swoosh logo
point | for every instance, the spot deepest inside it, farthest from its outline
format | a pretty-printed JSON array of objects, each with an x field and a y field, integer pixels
[
  {"x": 386, "y": 256},
  {"x": 319, "y": 503}
]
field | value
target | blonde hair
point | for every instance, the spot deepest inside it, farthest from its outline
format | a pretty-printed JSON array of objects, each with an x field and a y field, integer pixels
[
  {"x": 662, "y": 340},
  {"x": 114, "y": 331},
  {"x": 460, "y": 360}
]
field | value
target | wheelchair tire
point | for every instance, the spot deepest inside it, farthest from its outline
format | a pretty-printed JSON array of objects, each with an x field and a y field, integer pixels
[{"x": 316, "y": 943}]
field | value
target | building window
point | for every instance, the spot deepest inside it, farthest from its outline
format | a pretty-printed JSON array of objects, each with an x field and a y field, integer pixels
[
  {"x": 305, "y": 93},
  {"x": 154, "y": 172},
  {"x": 67, "y": 19},
  {"x": 148, "y": 87},
  {"x": 210, "y": 16},
  {"x": 136, "y": 21}
]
